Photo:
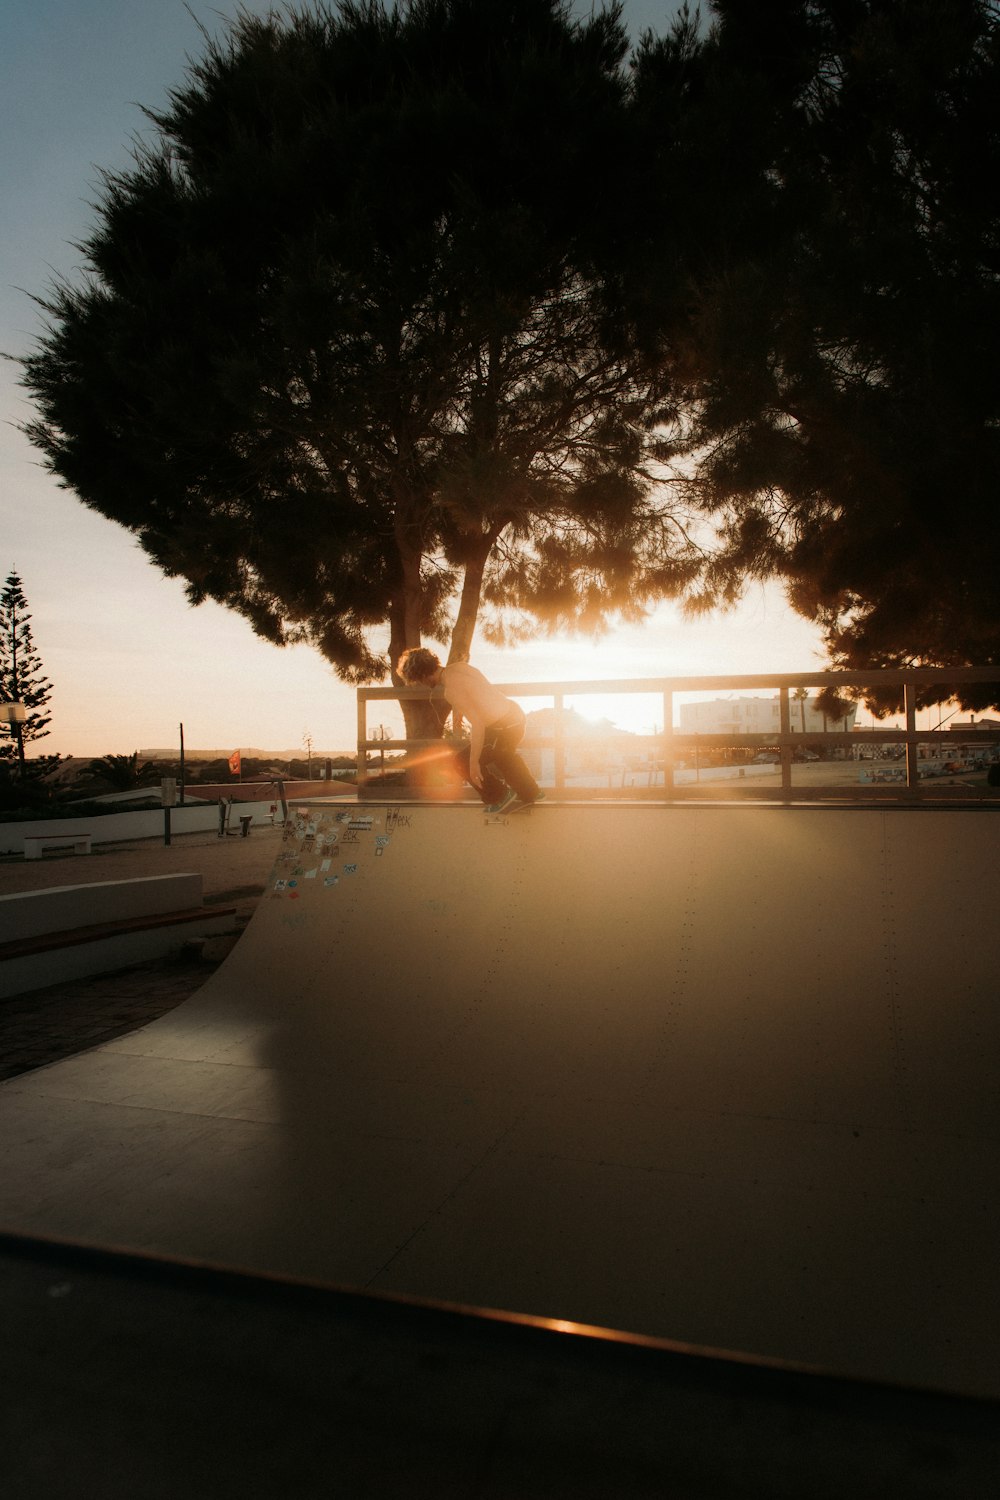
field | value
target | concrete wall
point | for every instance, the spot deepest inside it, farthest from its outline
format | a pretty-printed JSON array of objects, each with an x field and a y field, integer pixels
[
  {"x": 28, "y": 914},
  {"x": 193, "y": 817},
  {"x": 121, "y": 950},
  {"x": 55, "y": 913}
]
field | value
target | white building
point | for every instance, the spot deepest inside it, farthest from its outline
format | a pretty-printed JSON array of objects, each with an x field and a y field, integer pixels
[{"x": 759, "y": 716}]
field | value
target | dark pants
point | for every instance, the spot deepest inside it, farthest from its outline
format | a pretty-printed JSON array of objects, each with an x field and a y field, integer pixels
[{"x": 500, "y": 763}]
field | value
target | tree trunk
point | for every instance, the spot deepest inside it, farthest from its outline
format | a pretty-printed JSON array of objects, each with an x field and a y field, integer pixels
[
  {"x": 468, "y": 609},
  {"x": 422, "y": 719}
]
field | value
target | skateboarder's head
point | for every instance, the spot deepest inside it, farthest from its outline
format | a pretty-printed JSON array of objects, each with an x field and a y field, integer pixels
[{"x": 418, "y": 666}]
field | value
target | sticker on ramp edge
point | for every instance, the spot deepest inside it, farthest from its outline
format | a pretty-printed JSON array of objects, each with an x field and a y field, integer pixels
[
  {"x": 310, "y": 874},
  {"x": 325, "y": 865},
  {"x": 382, "y": 840},
  {"x": 279, "y": 885},
  {"x": 332, "y": 880},
  {"x": 350, "y": 869}
]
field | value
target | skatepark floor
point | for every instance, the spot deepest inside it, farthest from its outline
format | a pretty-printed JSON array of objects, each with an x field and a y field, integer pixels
[
  {"x": 775, "y": 1142},
  {"x": 43, "y": 1026}
]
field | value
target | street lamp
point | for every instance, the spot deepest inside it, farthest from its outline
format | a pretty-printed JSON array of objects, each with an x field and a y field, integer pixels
[
  {"x": 381, "y": 733},
  {"x": 15, "y": 715}
]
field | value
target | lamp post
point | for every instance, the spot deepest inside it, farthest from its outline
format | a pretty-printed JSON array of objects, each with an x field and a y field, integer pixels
[
  {"x": 381, "y": 733},
  {"x": 15, "y": 714}
]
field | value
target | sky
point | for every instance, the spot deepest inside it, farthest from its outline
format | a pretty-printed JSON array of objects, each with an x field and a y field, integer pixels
[{"x": 128, "y": 658}]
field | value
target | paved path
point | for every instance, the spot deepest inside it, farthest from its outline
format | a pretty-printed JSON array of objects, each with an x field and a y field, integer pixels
[{"x": 46, "y": 1025}]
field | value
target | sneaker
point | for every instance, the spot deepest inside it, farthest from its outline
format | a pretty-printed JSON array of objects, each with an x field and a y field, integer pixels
[
  {"x": 519, "y": 802},
  {"x": 505, "y": 801}
]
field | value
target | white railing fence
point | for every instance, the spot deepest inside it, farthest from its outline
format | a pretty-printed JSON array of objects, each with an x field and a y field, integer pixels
[{"x": 664, "y": 757}]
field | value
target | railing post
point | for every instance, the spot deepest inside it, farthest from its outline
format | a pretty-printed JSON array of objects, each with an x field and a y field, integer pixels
[
  {"x": 559, "y": 747},
  {"x": 912, "y": 759},
  {"x": 786, "y": 749},
  {"x": 668, "y": 742},
  {"x": 362, "y": 773}
]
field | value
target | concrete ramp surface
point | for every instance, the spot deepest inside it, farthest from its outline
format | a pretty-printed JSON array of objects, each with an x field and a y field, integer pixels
[{"x": 728, "y": 1076}]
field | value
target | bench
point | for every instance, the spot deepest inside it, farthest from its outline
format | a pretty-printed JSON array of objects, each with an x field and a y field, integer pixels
[{"x": 34, "y": 845}]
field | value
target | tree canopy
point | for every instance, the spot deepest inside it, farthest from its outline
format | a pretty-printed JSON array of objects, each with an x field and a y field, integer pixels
[
  {"x": 122, "y": 773},
  {"x": 339, "y": 363},
  {"x": 843, "y": 421},
  {"x": 411, "y": 317}
]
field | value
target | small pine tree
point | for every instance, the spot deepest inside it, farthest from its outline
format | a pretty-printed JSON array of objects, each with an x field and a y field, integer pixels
[{"x": 22, "y": 678}]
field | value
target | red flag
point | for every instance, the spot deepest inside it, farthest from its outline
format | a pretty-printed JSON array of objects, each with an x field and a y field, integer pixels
[{"x": 234, "y": 763}]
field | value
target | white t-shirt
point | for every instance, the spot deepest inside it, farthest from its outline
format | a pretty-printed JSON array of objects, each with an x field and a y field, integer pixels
[{"x": 473, "y": 696}]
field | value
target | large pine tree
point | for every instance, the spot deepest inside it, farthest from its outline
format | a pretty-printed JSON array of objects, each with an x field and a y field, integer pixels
[
  {"x": 839, "y": 165},
  {"x": 339, "y": 364},
  {"x": 22, "y": 677}
]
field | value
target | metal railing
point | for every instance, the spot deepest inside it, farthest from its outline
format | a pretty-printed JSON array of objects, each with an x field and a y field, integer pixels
[{"x": 663, "y": 748}]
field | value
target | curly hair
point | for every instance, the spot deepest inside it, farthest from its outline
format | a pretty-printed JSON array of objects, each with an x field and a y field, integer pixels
[{"x": 417, "y": 665}]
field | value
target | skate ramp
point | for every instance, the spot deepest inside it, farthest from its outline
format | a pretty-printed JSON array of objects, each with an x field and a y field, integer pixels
[{"x": 727, "y": 1076}]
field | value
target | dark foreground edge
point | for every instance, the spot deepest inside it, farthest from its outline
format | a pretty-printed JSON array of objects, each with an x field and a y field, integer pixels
[{"x": 126, "y": 1375}]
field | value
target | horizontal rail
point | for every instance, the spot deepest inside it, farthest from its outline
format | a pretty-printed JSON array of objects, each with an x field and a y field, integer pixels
[{"x": 895, "y": 677}]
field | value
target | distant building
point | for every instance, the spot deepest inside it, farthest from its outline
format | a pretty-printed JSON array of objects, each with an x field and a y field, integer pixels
[
  {"x": 759, "y": 716},
  {"x": 590, "y": 750},
  {"x": 731, "y": 716}
]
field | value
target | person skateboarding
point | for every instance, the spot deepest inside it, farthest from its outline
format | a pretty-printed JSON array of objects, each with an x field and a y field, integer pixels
[{"x": 490, "y": 761}]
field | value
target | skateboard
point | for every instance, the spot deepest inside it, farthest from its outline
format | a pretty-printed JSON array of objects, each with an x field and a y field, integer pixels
[{"x": 515, "y": 807}]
